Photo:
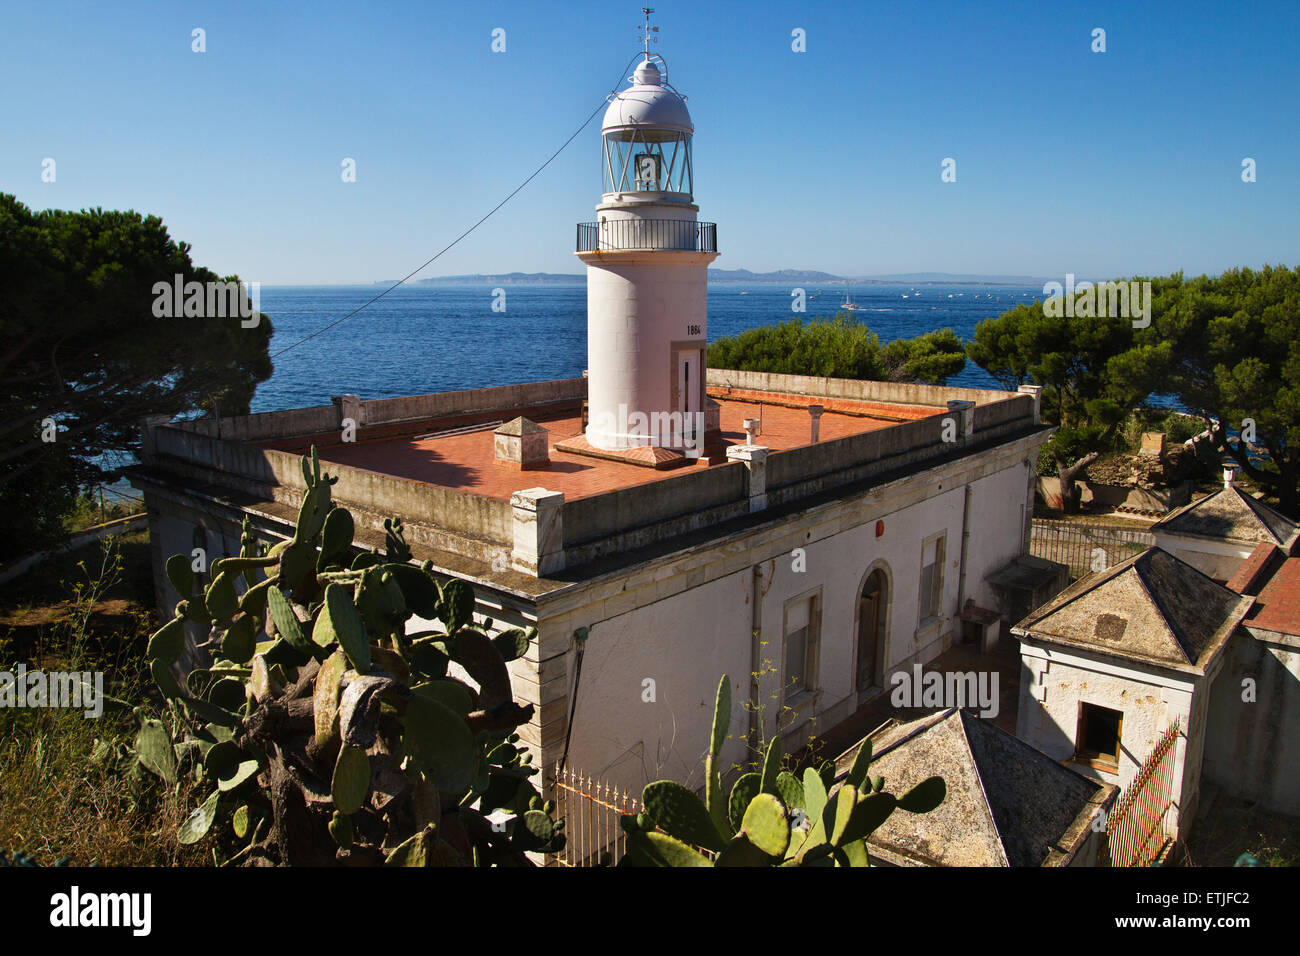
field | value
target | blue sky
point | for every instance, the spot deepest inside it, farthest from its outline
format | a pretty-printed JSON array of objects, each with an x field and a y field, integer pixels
[{"x": 1116, "y": 163}]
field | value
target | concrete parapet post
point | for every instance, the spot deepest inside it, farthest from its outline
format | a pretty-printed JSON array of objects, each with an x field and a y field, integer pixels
[
  {"x": 522, "y": 444},
  {"x": 712, "y": 417},
  {"x": 755, "y": 461},
  {"x": 348, "y": 406},
  {"x": 147, "y": 425},
  {"x": 964, "y": 412},
  {"x": 815, "y": 412},
  {"x": 538, "y": 531},
  {"x": 1037, "y": 392}
]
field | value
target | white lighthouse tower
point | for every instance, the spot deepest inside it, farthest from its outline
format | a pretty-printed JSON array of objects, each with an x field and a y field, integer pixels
[{"x": 647, "y": 258}]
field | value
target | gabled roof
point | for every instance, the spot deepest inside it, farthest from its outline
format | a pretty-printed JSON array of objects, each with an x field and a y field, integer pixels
[
  {"x": 1007, "y": 804},
  {"x": 1230, "y": 514},
  {"x": 1151, "y": 608}
]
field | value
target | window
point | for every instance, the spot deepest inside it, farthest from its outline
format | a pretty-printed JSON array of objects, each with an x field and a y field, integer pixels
[
  {"x": 802, "y": 624},
  {"x": 1098, "y": 739},
  {"x": 931, "y": 590}
]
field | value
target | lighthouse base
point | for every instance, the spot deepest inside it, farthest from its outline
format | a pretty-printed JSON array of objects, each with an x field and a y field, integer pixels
[{"x": 714, "y": 452}]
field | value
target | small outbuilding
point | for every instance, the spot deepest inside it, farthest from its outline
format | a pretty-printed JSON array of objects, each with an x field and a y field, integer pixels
[{"x": 1007, "y": 804}]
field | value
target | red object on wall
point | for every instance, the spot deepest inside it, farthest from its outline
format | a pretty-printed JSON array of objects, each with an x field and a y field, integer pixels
[{"x": 880, "y": 528}]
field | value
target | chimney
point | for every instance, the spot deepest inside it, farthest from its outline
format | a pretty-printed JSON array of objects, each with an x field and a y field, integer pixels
[
  {"x": 815, "y": 411},
  {"x": 522, "y": 444},
  {"x": 1229, "y": 472},
  {"x": 751, "y": 430}
]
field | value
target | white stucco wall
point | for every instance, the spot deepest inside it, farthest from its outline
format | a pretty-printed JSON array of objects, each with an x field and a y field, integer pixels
[
  {"x": 1055, "y": 684},
  {"x": 1253, "y": 732},
  {"x": 636, "y": 310},
  {"x": 628, "y": 732},
  {"x": 1216, "y": 559},
  {"x": 685, "y": 637},
  {"x": 998, "y": 515}
]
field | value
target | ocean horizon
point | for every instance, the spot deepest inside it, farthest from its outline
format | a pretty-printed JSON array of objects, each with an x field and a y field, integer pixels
[{"x": 423, "y": 338}]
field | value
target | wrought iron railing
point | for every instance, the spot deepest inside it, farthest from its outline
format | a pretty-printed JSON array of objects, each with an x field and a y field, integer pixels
[
  {"x": 1084, "y": 546},
  {"x": 591, "y": 809},
  {"x": 1138, "y": 828},
  {"x": 639, "y": 235}
]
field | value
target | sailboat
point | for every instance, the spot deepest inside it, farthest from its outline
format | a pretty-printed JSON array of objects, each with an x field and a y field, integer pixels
[{"x": 849, "y": 305}]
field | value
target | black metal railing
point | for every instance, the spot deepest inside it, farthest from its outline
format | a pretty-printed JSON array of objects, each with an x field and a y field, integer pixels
[
  {"x": 1085, "y": 547},
  {"x": 636, "y": 235}
]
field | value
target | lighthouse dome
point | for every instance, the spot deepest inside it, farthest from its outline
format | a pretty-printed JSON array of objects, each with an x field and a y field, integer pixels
[{"x": 648, "y": 103}]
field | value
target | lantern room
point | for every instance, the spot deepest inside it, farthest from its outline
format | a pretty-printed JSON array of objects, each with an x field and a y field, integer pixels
[{"x": 647, "y": 137}]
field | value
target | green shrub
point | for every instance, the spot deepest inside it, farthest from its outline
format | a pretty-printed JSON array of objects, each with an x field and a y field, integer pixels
[
  {"x": 1178, "y": 427},
  {"x": 840, "y": 347}
]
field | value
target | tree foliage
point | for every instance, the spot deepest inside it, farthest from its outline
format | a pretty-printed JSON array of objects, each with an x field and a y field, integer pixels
[
  {"x": 80, "y": 344},
  {"x": 1229, "y": 347},
  {"x": 840, "y": 347},
  {"x": 1070, "y": 358}
]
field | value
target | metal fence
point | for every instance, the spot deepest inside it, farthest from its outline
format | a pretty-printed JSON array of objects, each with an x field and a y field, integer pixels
[
  {"x": 590, "y": 809},
  {"x": 627, "y": 235},
  {"x": 1137, "y": 830},
  {"x": 1085, "y": 547}
]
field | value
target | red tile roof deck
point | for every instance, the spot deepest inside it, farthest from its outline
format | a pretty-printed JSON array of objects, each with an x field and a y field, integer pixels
[
  {"x": 466, "y": 462},
  {"x": 1278, "y": 604},
  {"x": 1256, "y": 569}
]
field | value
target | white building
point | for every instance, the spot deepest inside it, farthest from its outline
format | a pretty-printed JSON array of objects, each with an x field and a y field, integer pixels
[
  {"x": 1120, "y": 656},
  {"x": 1007, "y": 804},
  {"x": 1216, "y": 533},
  {"x": 647, "y": 260},
  {"x": 826, "y": 533}
]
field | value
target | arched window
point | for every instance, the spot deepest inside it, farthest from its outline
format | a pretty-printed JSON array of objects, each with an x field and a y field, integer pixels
[{"x": 873, "y": 625}]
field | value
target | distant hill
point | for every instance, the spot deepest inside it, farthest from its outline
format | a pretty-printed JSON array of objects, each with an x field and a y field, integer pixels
[
  {"x": 509, "y": 278},
  {"x": 743, "y": 276},
  {"x": 951, "y": 278},
  {"x": 783, "y": 276}
]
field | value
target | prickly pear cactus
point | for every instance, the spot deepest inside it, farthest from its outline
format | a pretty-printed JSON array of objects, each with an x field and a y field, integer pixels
[
  {"x": 770, "y": 819},
  {"x": 320, "y": 729}
]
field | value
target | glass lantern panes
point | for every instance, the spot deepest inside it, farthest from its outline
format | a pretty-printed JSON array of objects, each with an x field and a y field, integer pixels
[{"x": 646, "y": 159}]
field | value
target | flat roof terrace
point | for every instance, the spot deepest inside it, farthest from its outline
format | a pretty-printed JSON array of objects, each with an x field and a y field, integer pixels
[
  {"x": 430, "y": 460},
  {"x": 465, "y": 461}
]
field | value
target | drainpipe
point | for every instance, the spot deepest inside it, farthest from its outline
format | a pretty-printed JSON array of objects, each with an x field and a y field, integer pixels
[
  {"x": 965, "y": 542},
  {"x": 755, "y": 655}
]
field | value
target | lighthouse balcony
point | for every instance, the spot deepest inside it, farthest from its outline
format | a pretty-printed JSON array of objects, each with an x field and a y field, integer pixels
[{"x": 642, "y": 235}]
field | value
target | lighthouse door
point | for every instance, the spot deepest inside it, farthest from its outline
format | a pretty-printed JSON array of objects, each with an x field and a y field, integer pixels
[{"x": 689, "y": 389}]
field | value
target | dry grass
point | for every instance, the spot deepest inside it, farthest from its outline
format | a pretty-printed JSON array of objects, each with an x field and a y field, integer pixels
[
  {"x": 85, "y": 611},
  {"x": 55, "y": 802}
]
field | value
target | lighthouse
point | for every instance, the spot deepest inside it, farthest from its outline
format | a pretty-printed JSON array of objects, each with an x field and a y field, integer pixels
[{"x": 647, "y": 257}]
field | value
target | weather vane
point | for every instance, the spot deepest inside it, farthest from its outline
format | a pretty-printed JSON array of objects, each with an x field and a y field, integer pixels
[{"x": 647, "y": 31}]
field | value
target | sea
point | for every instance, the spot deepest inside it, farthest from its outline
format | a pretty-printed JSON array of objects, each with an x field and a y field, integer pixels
[{"x": 434, "y": 338}]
